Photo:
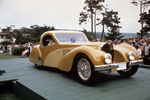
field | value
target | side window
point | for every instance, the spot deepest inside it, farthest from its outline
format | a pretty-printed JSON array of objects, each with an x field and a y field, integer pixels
[{"x": 48, "y": 40}]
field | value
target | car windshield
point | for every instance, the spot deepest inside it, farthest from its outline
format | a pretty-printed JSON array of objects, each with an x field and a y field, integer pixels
[{"x": 70, "y": 37}]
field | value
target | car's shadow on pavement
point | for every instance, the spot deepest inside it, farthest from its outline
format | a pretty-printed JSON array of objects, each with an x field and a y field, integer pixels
[{"x": 100, "y": 77}]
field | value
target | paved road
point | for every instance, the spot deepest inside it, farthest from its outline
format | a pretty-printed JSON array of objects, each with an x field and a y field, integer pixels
[{"x": 56, "y": 85}]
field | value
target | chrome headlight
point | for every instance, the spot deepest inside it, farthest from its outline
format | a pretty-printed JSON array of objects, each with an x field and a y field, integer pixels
[
  {"x": 108, "y": 58},
  {"x": 131, "y": 55}
]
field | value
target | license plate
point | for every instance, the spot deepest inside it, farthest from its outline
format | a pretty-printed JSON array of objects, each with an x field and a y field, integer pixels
[{"x": 122, "y": 66}]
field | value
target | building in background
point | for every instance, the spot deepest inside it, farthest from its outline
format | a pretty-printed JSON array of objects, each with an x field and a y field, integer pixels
[{"x": 4, "y": 36}]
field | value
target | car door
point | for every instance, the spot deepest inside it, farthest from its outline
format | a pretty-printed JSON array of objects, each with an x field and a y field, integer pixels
[{"x": 50, "y": 51}]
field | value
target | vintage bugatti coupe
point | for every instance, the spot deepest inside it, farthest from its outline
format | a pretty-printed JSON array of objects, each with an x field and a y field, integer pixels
[{"x": 70, "y": 51}]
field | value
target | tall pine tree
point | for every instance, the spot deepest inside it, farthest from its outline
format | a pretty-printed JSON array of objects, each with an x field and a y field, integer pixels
[
  {"x": 89, "y": 12},
  {"x": 143, "y": 5},
  {"x": 145, "y": 18},
  {"x": 111, "y": 20}
]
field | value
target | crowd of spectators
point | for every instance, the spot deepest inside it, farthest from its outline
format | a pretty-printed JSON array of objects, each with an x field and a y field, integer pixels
[
  {"x": 142, "y": 46},
  {"x": 9, "y": 48}
]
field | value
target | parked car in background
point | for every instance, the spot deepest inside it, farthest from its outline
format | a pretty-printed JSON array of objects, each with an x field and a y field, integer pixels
[{"x": 71, "y": 51}]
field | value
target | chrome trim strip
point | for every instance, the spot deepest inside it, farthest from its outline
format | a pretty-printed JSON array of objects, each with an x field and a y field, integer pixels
[{"x": 105, "y": 67}]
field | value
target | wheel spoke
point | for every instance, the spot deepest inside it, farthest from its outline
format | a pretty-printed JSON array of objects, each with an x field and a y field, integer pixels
[{"x": 84, "y": 69}]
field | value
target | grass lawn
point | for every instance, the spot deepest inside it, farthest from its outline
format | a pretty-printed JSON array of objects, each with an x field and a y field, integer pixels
[{"x": 7, "y": 56}]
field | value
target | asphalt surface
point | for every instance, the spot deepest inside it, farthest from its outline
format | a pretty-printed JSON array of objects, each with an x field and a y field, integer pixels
[{"x": 56, "y": 85}]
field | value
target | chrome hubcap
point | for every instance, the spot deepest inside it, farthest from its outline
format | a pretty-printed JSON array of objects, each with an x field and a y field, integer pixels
[{"x": 84, "y": 69}]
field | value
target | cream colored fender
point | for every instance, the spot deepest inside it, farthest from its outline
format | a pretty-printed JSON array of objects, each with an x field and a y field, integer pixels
[
  {"x": 121, "y": 53},
  {"x": 34, "y": 55},
  {"x": 96, "y": 57}
]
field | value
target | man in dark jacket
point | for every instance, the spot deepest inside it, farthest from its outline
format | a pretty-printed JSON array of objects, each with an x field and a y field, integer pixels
[{"x": 108, "y": 48}]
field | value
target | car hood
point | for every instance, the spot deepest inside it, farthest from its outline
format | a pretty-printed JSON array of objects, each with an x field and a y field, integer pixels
[{"x": 95, "y": 45}]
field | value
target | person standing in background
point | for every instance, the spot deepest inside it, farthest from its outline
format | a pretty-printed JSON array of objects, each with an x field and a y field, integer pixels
[
  {"x": 29, "y": 48},
  {"x": 146, "y": 58},
  {"x": 10, "y": 49},
  {"x": 138, "y": 48}
]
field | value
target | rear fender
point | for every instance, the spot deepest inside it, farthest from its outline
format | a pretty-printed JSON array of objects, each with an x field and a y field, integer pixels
[{"x": 35, "y": 54}]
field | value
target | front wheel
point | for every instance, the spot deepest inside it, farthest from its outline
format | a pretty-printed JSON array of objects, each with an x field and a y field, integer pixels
[
  {"x": 131, "y": 70},
  {"x": 83, "y": 69}
]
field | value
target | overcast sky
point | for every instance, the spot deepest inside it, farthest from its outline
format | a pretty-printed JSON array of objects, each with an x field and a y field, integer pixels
[{"x": 62, "y": 14}]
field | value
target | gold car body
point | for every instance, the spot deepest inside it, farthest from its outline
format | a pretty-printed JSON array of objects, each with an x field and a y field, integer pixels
[{"x": 62, "y": 55}]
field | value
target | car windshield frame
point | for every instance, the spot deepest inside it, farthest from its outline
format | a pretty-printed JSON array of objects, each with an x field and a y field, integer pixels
[{"x": 64, "y": 38}]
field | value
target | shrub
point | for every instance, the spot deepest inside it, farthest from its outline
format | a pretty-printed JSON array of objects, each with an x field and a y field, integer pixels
[
  {"x": 6, "y": 42},
  {"x": 18, "y": 50}
]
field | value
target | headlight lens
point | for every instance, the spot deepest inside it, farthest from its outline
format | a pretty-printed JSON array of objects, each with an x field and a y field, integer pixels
[
  {"x": 131, "y": 55},
  {"x": 108, "y": 58}
]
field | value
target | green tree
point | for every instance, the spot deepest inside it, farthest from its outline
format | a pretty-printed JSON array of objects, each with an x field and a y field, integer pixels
[
  {"x": 37, "y": 31},
  {"x": 145, "y": 17},
  {"x": 104, "y": 22},
  {"x": 143, "y": 4},
  {"x": 19, "y": 36},
  {"x": 31, "y": 34},
  {"x": 89, "y": 12},
  {"x": 111, "y": 20},
  {"x": 89, "y": 35},
  {"x": 6, "y": 42}
]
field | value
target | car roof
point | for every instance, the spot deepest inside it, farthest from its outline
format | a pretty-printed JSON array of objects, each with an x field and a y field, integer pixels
[
  {"x": 59, "y": 32},
  {"x": 62, "y": 31}
]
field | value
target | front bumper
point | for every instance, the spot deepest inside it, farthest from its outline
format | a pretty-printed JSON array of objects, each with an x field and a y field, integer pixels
[
  {"x": 135, "y": 62},
  {"x": 115, "y": 66},
  {"x": 106, "y": 67}
]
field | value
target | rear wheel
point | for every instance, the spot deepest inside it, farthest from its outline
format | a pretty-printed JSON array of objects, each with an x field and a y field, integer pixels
[
  {"x": 83, "y": 69},
  {"x": 39, "y": 64},
  {"x": 131, "y": 70}
]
